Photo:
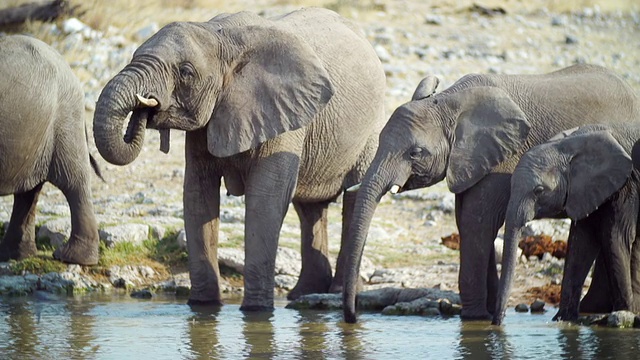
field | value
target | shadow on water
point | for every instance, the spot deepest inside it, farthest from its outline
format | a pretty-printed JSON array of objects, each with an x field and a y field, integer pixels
[{"x": 118, "y": 327}]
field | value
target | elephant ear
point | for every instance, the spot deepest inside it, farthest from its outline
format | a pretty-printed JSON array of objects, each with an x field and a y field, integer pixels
[
  {"x": 278, "y": 84},
  {"x": 635, "y": 155},
  {"x": 599, "y": 167},
  {"x": 490, "y": 128},
  {"x": 426, "y": 87}
]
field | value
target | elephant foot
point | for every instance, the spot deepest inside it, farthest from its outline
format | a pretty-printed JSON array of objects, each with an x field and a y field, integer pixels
[
  {"x": 77, "y": 251},
  {"x": 565, "y": 315},
  {"x": 17, "y": 251},
  {"x": 255, "y": 308},
  {"x": 307, "y": 287},
  {"x": 204, "y": 303},
  {"x": 475, "y": 315}
]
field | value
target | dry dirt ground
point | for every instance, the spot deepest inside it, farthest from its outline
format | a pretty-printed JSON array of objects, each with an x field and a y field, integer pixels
[{"x": 414, "y": 38}]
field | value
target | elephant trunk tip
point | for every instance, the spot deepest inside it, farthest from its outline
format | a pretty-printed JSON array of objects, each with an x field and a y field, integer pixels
[
  {"x": 350, "y": 316},
  {"x": 497, "y": 319}
]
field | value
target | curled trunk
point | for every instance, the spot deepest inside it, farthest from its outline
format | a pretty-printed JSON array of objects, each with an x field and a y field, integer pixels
[{"x": 116, "y": 101}]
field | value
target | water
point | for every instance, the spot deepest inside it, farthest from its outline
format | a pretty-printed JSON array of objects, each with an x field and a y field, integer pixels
[{"x": 118, "y": 327}]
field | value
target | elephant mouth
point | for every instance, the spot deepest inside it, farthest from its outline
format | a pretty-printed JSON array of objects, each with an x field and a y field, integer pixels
[
  {"x": 416, "y": 181},
  {"x": 146, "y": 117}
]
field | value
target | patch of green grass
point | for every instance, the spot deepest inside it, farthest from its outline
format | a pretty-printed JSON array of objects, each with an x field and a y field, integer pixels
[
  {"x": 40, "y": 264},
  {"x": 167, "y": 250}
]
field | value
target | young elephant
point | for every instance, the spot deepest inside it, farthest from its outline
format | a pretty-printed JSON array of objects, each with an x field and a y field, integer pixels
[
  {"x": 43, "y": 138},
  {"x": 587, "y": 175},
  {"x": 473, "y": 134},
  {"x": 285, "y": 109}
]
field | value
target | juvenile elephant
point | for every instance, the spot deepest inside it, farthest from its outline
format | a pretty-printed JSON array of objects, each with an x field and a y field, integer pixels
[
  {"x": 284, "y": 109},
  {"x": 473, "y": 134},
  {"x": 587, "y": 175},
  {"x": 43, "y": 138}
]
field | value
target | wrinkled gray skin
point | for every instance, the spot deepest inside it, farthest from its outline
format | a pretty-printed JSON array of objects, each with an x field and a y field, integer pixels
[
  {"x": 586, "y": 175},
  {"x": 284, "y": 109},
  {"x": 473, "y": 134},
  {"x": 43, "y": 139}
]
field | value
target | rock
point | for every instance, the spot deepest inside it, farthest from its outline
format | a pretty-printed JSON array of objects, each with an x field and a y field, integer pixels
[
  {"x": 432, "y": 19},
  {"x": 133, "y": 233},
  {"x": 181, "y": 240},
  {"x": 73, "y": 25},
  {"x": 286, "y": 282},
  {"x": 559, "y": 20},
  {"x": 621, "y": 319},
  {"x": 537, "y": 306},
  {"x": 416, "y": 307},
  {"x": 128, "y": 276},
  {"x": 288, "y": 262},
  {"x": 231, "y": 258},
  {"x": 570, "y": 39},
  {"x": 142, "y": 294},
  {"x": 449, "y": 309},
  {"x": 383, "y": 54},
  {"x": 146, "y": 32},
  {"x": 317, "y": 301},
  {"x": 522, "y": 308},
  {"x": 232, "y": 216},
  {"x": 379, "y": 299},
  {"x": 448, "y": 203},
  {"x": 57, "y": 231}
]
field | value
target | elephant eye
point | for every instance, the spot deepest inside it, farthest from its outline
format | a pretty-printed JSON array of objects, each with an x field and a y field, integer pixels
[
  {"x": 186, "y": 70},
  {"x": 538, "y": 190},
  {"x": 417, "y": 152}
]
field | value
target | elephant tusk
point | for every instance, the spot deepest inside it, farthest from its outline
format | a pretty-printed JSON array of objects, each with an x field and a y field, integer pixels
[
  {"x": 394, "y": 189},
  {"x": 146, "y": 102},
  {"x": 354, "y": 187}
]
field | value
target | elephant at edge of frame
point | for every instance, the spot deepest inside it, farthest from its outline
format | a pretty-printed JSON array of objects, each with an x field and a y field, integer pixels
[
  {"x": 585, "y": 174},
  {"x": 285, "y": 109},
  {"x": 473, "y": 134},
  {"x": 44, "y": 139}
]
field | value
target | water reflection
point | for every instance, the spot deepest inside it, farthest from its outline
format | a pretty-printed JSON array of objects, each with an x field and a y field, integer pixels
[
  {"x": 119, "y": 327},
  {"x": 480, "y": 340},
  {"x": 202, "y": 332}
]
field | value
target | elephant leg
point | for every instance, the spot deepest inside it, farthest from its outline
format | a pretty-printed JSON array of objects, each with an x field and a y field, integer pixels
[
  {"x": 83, "y": 244},
  {"x": 582, "y": 249},
  {"x": 635, "y": 273},
  {"x": 315, "y": 276},
  {"x": 617, "y": 233},
  {"x": 348, "y": 203},
  {"x": 269, "y": 190},
  {"x": 201, "y": 197},
  {"x": 480, "y": 212},
  {"x": 597, "y": 299},
  {"x": 19, "y": 240}
]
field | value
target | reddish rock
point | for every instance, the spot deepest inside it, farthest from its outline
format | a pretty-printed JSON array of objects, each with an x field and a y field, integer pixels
[
  {"x": 540, "y": 244},
  {"x": 452, "y": 241}
]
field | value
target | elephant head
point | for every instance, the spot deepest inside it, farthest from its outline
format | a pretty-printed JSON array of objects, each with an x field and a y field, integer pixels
[
  {"x": 226, "y": 74},
  {"x": 573, "y": 174},
  {"x": 460, "y": 134}
]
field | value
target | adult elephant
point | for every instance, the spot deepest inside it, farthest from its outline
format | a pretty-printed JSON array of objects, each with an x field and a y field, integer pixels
[
  {"x": 473, "y": 133},
  {"x": 284, "y": 109},
  {"x": 585, "y": 174},
  {"x": 43, "y": 138}
]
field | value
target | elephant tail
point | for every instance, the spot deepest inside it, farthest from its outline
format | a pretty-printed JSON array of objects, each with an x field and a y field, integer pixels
[
  {"x": 92, "y": 160},
  {"x": 96, "y": 168}
]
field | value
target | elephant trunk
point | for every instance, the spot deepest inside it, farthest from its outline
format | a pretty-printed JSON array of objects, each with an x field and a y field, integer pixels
[
  {"x": 116, "y": 101},
  {"x": 518, "y": 214},
  {"x": 375, "y": 184}
]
